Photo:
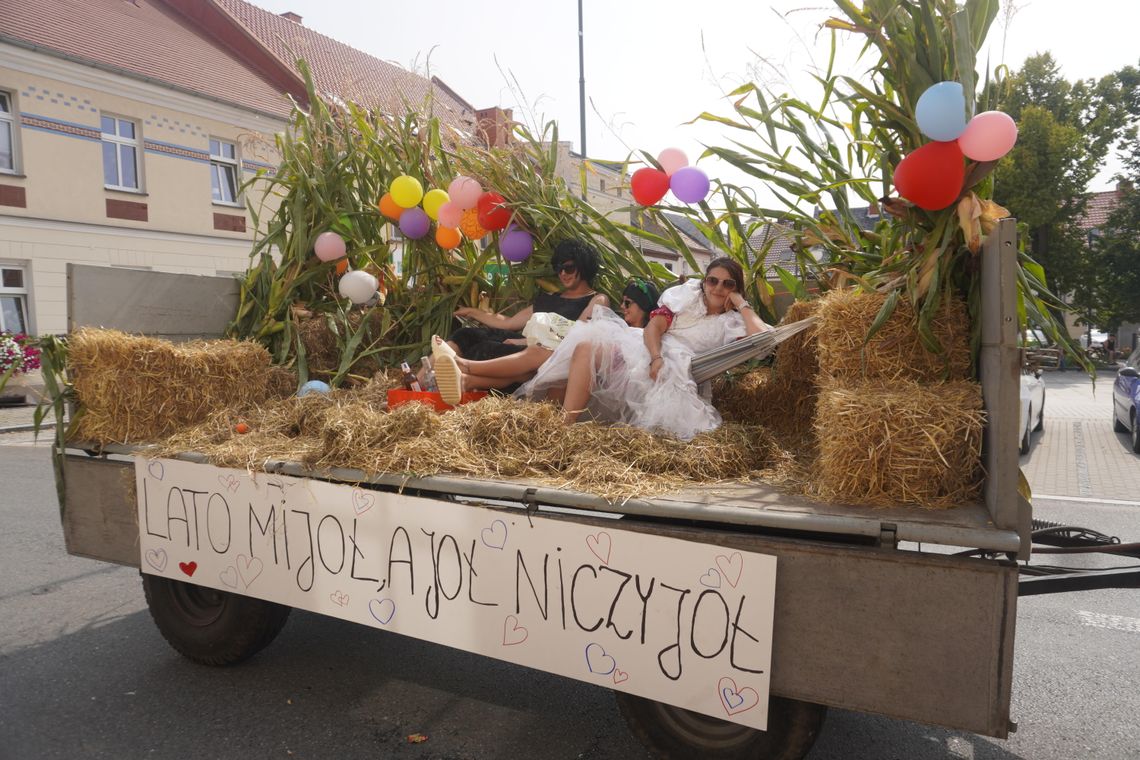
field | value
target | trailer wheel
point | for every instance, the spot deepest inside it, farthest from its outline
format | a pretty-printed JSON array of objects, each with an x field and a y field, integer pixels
[
  {"x": 673, "y": 732},
  {"x": 208, "y": 626}
]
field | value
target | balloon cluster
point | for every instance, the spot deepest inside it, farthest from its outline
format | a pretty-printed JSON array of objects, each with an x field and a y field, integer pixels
[
  {"x": 688, "y": 183},
  {"x": 931, "y": 177},
  {"x": 358, "y": 287}
]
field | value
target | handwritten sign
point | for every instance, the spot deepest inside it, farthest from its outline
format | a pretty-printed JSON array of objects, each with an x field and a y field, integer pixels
[{"x": 677, "y": 621}]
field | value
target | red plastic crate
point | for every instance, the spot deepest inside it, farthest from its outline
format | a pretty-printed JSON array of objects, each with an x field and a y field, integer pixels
[{"x": 398, "y": 396}]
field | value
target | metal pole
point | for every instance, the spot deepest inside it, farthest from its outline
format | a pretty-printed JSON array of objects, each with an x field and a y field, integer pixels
[{"x": 581, "y": 87}]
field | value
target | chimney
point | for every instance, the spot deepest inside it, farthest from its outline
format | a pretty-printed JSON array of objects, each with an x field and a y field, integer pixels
[
  {"x": 294, "y": 17},
  {"x": 1123, "y": 185},
  {"x": 493, "y": 125}
]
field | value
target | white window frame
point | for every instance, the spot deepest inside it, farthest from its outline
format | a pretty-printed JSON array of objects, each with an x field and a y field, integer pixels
[
  {"x": 217, "y": 163},
  {"x": 120, "y": 142},
  {"x": 10, "y": 119},
  {"x": 21, "y": 294}
]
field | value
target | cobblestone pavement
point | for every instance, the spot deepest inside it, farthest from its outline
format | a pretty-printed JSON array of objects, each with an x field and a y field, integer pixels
[{"x": 1078, "y": 455}]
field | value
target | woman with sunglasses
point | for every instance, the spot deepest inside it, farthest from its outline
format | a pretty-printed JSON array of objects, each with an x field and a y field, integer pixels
[
  {"x": 648, "y": 383},
  {"x": 576, "y": 265}
]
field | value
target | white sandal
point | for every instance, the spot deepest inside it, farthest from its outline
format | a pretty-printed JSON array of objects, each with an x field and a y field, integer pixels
[{"x": 447, "y": 374}]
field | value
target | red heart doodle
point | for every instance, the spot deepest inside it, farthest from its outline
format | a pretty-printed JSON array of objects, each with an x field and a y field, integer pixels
[
  {"x": 188, "y": 567},
  {"x": 620, "y": 676},
  {"x": 734, "y": 699},
  {"x": 600, "y": 545},
  {"x": 513, "y": 633},
  {"x": 731, "y": 567}
]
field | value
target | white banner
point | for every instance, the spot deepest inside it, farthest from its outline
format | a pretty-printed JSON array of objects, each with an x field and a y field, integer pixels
[{"x": 681, "y": 622}]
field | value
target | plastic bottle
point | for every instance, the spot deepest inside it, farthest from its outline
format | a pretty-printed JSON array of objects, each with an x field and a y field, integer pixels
[
  {"x": 409, "y": 379},
  {"x": 428, "y": 374}
]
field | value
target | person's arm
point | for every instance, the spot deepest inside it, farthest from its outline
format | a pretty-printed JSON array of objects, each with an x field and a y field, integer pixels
[
  {"x": 515, "y": 323},
  {"x": 752, "y": 323},
  {"x": 652, "y": 335},
  {"x": 598, "y": 300}
]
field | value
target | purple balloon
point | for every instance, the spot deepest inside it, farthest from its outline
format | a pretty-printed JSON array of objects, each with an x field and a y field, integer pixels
[
  {"x": 689, "y": 184},
  {"x": 414, "y": 223},
  {"x": 516, "y": 245}
]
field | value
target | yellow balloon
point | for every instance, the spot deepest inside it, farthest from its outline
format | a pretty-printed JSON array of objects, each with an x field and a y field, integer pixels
[
  {"x": 433, "y": 199},
  {"x": 406, "y": 191}
]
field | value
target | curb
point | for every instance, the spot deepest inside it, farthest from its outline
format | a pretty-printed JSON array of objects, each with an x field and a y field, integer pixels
[{"x": 25, "y": 428}]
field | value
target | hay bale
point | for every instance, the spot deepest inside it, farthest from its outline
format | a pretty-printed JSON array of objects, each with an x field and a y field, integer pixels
[
  {"x": 895, "y": 352},
  {"x": 899, "y": 442},
  {"x": 136, "y": 389},
  {"x": 323, "y": 351}
]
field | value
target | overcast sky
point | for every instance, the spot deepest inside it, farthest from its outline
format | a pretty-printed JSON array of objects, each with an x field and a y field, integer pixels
[{"x": 653, "y": 65}]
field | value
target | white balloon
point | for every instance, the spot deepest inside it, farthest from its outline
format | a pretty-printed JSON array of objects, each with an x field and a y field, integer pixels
[{"x": 357, "y": 286}]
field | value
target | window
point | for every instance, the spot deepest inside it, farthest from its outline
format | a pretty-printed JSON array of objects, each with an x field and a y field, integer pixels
[
  {"x": 7, "y": 134},
  {"x": 120, "y": 154},
  {"x": 224, "y": 171},
  {"x": 13, "y": 299}
]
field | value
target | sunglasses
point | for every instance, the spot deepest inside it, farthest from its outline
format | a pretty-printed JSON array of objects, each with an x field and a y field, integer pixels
[
  {"x": 568, "y": 267},
  {"x": 712, "y": 281}
]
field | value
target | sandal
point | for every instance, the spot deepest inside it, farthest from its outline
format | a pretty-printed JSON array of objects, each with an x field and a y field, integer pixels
[{"x": 447, "y": 374}]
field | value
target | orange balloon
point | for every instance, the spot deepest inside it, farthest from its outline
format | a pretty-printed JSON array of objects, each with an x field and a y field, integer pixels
[
  {"x": 342, "y": 266},
  {"x": 447, "y": 238},
  {"x": 389, "y": 207},
  {"x": 469, "y": 224}
]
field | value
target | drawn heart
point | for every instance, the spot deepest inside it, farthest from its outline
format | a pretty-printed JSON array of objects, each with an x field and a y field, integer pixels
[
  {"x": 600, "y": 544},
  {"x": 734, "y": 699},
  {"x": 597, "y": 661},
  {"x": 188, "y": 567},
  {"x": 620, "y": 676},
  {"x": 229, "y": 482},
  {"x": 362, "y": 500},
  {"x": 339, "y": 598},
  {"x": 383, "y": 610},
  {"x": 155, "y": 469},
  {"x": 495, "y": 537},
  {"x": 711, "y": 578},
  {"x": 156, "y": 558},
  {"x": 513, "y": 633},
  {"x": 731, "y": 567},
  {"x": 229, "y": 576},
  {"x": 249, "y": 569}
]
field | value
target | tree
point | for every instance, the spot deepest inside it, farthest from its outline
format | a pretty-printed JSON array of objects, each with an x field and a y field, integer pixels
[{"x": 1116, "y": 255}]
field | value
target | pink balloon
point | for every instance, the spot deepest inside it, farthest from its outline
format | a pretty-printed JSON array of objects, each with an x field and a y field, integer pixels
[
  {"x": 449, "y": 215},
  {"x": 988, "y": 136},
  {"x": 672, "y": 159},
  {"x": 464, "y": 192},
  {"x": 329, "y": 246}
]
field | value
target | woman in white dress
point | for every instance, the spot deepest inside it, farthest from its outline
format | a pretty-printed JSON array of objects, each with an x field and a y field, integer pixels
[{"x": 643, "y": 378}]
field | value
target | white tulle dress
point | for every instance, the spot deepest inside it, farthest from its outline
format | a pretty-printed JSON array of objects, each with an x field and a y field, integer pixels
[{"x": 623, "y": 391}]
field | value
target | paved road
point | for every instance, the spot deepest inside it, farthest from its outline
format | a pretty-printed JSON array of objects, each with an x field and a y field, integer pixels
[{"x": 84, "y": 673}]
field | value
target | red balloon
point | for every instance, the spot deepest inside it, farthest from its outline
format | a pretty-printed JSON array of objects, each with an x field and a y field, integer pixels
[
  {"x": 649, "y": 185},
  {"x": 931, "y": 177},
  {"x": 493, "y": 215}
]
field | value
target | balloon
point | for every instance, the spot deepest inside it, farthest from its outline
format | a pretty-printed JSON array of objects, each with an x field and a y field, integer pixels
[
  {"x": 342, "y": 266},
  {"x": 689, "y": 184},
  {"x": 493, "y": 215},
  {"x": 329, "y": 246},
  {"x": 414, "y": 223},
  {"x": 469, "y": 223},
  {"x": 516, "y": 245},
  {"x": 449, "y": 214},
  {"x": 406, "y": 191},
  {"x": 433, "y": 199},
  {"x": 672, "y": 159},
  {"x": 465, "y": 192},
  {"x": 357, "y": 286},
  {"x": 931, "y": 177},
  {"x": 648, "y": 185},
  {"x": 313, "y": 386},
  {"x": 389, "y": 207},
  {"x": 941, "y": 111},
  {"x": 988, "y": 136},
  {"x": 447, "y": 238}
]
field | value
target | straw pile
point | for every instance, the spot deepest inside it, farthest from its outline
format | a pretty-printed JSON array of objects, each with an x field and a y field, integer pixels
[
  {"x": 902, "y": 443},
  {"x": 323, "y": 352},
  {"x": 494, "y": 438},
  {"x": 135, "y": 389}
]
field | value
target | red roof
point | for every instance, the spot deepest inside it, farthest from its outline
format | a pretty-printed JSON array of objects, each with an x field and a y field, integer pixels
[
  {"x": 146, "y": 38},
  {"x": 1100, "y": 206}
]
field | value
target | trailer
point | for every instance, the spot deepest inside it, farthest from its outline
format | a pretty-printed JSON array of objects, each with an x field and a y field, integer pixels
[{"x": 725, "y": 618}]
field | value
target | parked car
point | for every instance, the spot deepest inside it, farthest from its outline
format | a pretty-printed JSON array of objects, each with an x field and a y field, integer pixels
[
  {"x": 1093, "y": 339},
  {"x": 1032, "y": 407},
  {"x": 1126, "y": 399}
]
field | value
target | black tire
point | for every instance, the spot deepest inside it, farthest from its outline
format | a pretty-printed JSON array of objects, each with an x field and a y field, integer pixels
[
  {"x": 1023, "y": 449},
  {"x": 1135, "y": 434},
  {"x": 208, "y": 626},
  {"x": 673, "y": 732},
  {"x": 1041, "y": 420}
]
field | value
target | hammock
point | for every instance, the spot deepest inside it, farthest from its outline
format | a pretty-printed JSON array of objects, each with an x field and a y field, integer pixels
[{"x": 709, "y": 364}]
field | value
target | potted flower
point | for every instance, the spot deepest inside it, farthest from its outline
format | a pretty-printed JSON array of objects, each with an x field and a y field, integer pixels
[{"x": 18, "y": 356}]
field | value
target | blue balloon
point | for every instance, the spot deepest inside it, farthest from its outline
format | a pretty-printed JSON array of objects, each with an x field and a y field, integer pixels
[
  {"x": 313, "y": 386},
  {"x": 941, "y": 111}
]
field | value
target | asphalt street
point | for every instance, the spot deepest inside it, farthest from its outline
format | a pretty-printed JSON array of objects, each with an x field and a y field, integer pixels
[{"x": 85, "y": 674}]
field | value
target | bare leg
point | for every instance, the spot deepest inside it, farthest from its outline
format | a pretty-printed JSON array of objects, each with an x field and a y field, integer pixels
[
  {"x": 524, "y": 362},
  {"x": 482, "y": 382},
  {"x": 579, "y": 382}
]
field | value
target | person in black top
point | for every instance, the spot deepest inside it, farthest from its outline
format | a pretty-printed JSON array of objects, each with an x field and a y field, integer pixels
[{"x": 576, "y": 265}]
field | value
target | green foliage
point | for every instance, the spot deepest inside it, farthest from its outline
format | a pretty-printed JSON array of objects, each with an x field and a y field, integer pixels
[{"x": 1115, "y": 270}]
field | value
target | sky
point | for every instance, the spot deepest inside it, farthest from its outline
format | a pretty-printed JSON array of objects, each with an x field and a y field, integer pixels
[{"x": 651, "y": 66}]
